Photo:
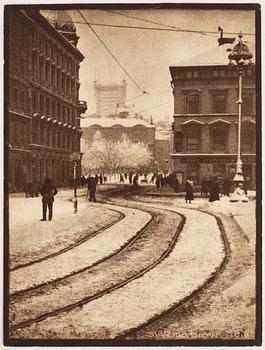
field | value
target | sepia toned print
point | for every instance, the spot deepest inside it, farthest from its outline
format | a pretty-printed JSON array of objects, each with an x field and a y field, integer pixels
[{"x": 132, "y": 168}]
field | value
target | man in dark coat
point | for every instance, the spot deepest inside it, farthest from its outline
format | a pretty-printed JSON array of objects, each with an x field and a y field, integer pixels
[
  {"x": 204, "y": 187},
  {"x": 92, "y": 189},
  {"x": 214, "y": 191},
  {"x": 227, "y": 187},
  {"x": 189, "y": 190},
  {"x": 48, "y": 191}
]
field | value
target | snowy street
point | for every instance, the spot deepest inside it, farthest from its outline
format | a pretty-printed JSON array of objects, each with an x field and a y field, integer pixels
[{"x": 77, "y": 274}]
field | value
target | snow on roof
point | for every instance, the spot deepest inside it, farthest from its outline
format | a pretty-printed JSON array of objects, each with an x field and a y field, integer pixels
[
  {"x": 107, "y": 122},
  {"x": 217, "y": 56}
]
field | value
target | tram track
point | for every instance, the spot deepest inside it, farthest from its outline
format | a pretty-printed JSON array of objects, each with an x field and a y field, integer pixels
[
  {"x": 177, "y": 306},
  {"x": 71, "y": 246},
  {"x": 59, "y": 279},
  {"x": 195, "y": 293},
  {"x": 110, "y": 289}
]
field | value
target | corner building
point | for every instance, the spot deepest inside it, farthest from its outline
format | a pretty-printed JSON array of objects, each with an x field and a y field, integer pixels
[
  {"x": 206, "y": 118},
  {"x": 43, "y": 104}
]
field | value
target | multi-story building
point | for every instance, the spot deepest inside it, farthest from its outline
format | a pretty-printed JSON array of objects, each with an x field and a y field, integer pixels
[
  {"x": 109, "y": 97},
  {"x": 117, "y": 130},
  {"x": 43, "y": 105},
  {"x": 206, "y": 118}
]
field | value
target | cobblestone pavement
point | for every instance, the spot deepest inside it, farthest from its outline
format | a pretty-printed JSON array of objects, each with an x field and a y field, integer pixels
[{"x": 183, "y": 271}]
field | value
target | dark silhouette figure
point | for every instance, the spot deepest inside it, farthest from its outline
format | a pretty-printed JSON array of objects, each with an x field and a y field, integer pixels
[
  {"x": 189, "y": 190},
  {"x": 204, "y": 187},
  {"x": 175, "y": 183},
  {"x": 158, "y": 181},
  {"x": 100, "y": 179},
  {"x": 227, "y": 185},
  {"x": 214, "y": 191},
  {"x": 135, "y": 180},
  {"x": 91, "y": 187},
  {"x": 48, "y": 191},
  {"x": 130, "y": 177},
  {"x": 121, "y": 179}
]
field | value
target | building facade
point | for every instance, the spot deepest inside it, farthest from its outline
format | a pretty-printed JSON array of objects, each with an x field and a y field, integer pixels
[
  {"x": 43, "y": 104},
  {"x": 116, "y": 130},
  {"x": 109, "y": 97},
  {"x": 205, "y": 124}
]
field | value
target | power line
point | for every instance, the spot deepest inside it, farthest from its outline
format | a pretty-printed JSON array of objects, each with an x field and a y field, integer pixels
[
  {"x": 116, "y": 60},
  {"x": 144, "y": 20},
  {"x": 162, "y": 104},
  {"x": 157, "y": 29}
]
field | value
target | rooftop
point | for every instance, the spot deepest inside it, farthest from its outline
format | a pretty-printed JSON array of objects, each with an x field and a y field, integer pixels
[{"x": 107, "y": 122}]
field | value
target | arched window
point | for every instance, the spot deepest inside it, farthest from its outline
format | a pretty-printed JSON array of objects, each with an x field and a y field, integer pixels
[
  {"x": 219, "y": 135},
  {"x": 247, "y": 136},
  {"x": 178, "y": 141},
  {"x": 193, "y": 137}
]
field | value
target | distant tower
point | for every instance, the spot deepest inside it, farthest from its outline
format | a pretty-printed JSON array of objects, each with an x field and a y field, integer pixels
[
  {"x": 109, "y": 97},
  {"x": 63, "y": 22}
]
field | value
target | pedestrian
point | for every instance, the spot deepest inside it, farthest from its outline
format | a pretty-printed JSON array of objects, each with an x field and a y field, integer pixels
[
  {"x": 135, "y": 180},
  {"x": 92, "y": 189},
  {"x": 158, "y": 181},
  {"x": 204, "y": 187},
  {"x": 121, "y": 179},
  {"x": 189, "y": 190},
  {"x": 100, "y": 179},
  {"x": 227, "y": 187},
  {"x": 48, "y": 191},
  {"x": 175, "y": 183},
  {"x": 130, "y": 176},
  {"x": 214, "y": 190}
]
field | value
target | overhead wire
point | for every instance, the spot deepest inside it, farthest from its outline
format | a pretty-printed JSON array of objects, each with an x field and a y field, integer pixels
[
  {"x": 116, "y": 60},
  {"x": 162, "y": 104},
  {"x": 157, "y": 29},
  {"x": 142, "y": 19}
]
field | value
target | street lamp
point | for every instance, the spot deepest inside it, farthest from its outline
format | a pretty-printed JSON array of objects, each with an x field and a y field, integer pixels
[
  {"x": 242, "y": 57},
  {"x": 75, "y": 157}
]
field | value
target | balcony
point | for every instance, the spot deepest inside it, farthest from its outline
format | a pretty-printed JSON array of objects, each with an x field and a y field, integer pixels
[{"x": 82, "y": 106}]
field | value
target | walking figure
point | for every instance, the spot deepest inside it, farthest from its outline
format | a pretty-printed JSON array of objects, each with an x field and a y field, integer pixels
[
  {"x": 189, "y": 190},
  {"x": 214, "y": 190},
  {"x": 48, "y": 191},
  {"x": 91, "y": 187},
  {"x": 121, "y": 179}
]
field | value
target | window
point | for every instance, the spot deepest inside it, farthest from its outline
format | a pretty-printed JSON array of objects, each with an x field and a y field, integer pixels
[
  {"x": 192, "y": 104},
  {"x": 247, "y": 137},
  {"x": 219, "y": 137},
  {"x": 247, "y": 104},
  {"x": 219, "y": 103},
  {"x": 178, "y": 141},
  {"x": 193, "y": 138}
]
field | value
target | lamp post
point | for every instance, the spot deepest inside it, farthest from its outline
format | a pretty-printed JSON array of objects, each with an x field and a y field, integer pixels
[
  {"x": 242, "y": 57},
  {"x": 75, "y": 157}
]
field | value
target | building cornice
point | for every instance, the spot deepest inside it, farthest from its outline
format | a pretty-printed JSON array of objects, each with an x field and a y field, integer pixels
[{"x": 35, "y": 16}]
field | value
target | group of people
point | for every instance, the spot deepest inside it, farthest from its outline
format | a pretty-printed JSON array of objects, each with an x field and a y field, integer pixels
[{"x": 209, "y": 187}]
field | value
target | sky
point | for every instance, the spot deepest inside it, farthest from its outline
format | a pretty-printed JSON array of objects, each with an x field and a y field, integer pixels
[{"x": 147, "y": 55}]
